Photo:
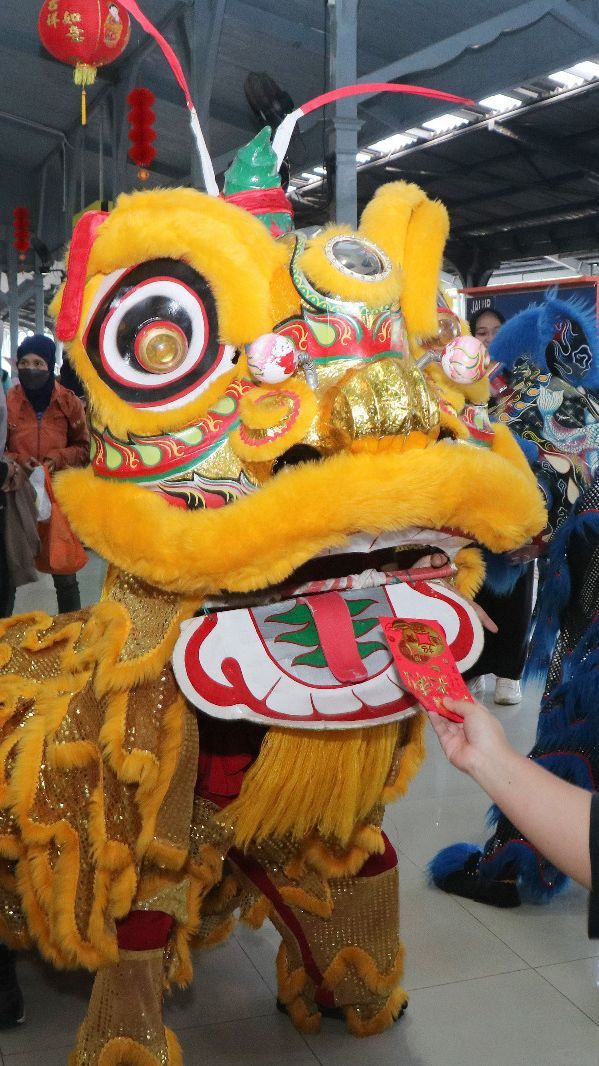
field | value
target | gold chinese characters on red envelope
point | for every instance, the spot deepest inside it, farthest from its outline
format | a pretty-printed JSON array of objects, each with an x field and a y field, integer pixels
[{"x": 425, "y": 664}]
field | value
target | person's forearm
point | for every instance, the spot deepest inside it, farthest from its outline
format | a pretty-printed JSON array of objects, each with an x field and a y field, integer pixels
[{"x": 549, "y": 812}]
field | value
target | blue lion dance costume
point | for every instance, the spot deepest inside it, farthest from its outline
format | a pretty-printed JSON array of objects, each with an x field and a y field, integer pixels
[{"x": 558, "y": 374}]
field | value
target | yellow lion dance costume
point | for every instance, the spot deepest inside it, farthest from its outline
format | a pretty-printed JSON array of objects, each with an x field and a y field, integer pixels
[{"x": 211, "y": 489}]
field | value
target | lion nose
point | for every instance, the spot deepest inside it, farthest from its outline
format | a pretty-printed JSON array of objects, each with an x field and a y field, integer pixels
[{"x": 389, "y": 397}]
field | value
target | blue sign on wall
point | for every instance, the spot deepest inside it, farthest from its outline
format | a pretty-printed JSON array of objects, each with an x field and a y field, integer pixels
[{"x": 511, "y": 301}]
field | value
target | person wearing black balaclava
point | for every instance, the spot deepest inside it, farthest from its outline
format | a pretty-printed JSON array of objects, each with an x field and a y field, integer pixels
[{"x": 46, "y": 425}]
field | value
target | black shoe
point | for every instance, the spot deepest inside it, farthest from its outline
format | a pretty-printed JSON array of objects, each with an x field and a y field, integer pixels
[
  {"x": 468, "y": 883},
  {"x": 12, "y": 1006},
  {"x": 12, "y": 1009}
]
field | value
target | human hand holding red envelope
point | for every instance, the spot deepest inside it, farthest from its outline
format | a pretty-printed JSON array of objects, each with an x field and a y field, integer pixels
[{"x": 425, "y": 663}]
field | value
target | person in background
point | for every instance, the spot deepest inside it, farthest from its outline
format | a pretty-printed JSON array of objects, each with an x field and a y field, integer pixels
[
  {"x": 484, "y": 324},
  {"x": 505, "y": 652},
  {"x": 46, "y": 425},
  {"x": 70, "y": 379}
]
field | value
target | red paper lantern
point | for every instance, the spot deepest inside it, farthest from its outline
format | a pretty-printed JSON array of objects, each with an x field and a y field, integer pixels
[
  {"x": 21, "y": 228},
  {"x": 85, "y": 33},
  {"x": 141, "y": 130}
]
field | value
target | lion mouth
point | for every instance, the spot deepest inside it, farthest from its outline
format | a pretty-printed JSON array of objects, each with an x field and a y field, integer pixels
[
  {"x": 311, "y": 652},
  {"x": 366, "y": 561}
]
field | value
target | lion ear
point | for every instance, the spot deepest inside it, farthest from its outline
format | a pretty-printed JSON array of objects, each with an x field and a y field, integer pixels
[
  {"x": 385, "y": 220},
  {"x": 412, "y": 230}
]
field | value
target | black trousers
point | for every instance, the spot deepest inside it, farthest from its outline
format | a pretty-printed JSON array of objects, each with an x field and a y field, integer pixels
[
  {"x": 504, "y": 653},
  {"x": 67, "y": 594}
]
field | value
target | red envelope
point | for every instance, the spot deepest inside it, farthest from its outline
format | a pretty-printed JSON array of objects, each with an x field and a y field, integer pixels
[{"x": 425, "y": 664}]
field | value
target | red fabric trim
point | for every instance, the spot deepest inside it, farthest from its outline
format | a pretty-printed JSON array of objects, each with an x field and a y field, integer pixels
[
  {"x": 262, "y": 201},
  {"x": 376, "y": 864},
  {"x": 222, "y": 775},
  {"x": 83, "y": 238},
  {"x": 144, "y": 930},
  {"x": 380, "y": 864},
  {"x": 134, "y": 9},
  {"x": 252, "y": 869},
  {"x": 366, "y": 87}
]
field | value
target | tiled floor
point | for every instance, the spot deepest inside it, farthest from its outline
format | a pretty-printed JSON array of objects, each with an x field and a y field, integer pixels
[{"x": 486, "y": 986}]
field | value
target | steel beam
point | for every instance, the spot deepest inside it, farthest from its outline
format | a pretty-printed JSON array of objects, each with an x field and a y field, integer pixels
[
  {"x": 531, "y": 141},
  {"x": 475, "y": 36},
  {"x": 588, "y": 209},
  {"x": 295, "y": 31},
  {"x": 205, "y": 25},
  {"x": 580, "y": 23},
  {"x": 40, "y": 305},
  {"x": 342, "y": 135},
  {"x": 13, "y": 308}
]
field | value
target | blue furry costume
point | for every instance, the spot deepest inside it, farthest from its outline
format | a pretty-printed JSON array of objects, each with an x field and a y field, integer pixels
[
  {"x": 547, "y": 392},
  {"x": 565, "y": 645}
]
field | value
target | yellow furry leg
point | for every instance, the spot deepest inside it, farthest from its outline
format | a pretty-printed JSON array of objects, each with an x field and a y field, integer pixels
[
  {"x": 359, "y": 980},
  {"x": 361, "y": 1022},
  {"x": 123, "y": 1026}
]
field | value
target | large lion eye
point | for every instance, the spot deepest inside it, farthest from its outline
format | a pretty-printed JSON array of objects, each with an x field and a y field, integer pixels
[
  {"x": 358, "y": 258},
  {"x": 160, "y": 347},
  {"x": 153, "y": 334}
]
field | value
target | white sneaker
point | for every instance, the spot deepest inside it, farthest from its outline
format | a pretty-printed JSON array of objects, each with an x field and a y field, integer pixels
[
  {"x": 507, "y": 692},
  {"x": 477, "y": 687}
]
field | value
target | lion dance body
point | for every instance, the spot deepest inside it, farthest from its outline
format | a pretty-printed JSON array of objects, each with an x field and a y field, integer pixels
[{"x": 133, "y": 823}]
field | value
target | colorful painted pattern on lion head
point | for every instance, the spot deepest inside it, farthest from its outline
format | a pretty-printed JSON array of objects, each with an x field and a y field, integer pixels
[{"x": 253, "y": 400}]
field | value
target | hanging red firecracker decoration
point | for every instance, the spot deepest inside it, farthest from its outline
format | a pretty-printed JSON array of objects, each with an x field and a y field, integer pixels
[
  {"x": 141, "y": 130},
  {"x": 22, "y": 231},
  {"x": 85, "y": 33}
]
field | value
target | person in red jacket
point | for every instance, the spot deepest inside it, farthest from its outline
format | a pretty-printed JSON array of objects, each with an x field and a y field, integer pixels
[{"x": 46, "y": 424}]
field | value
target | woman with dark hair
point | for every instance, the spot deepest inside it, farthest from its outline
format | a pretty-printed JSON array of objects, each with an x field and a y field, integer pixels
[{"x": 484, "y": 324}]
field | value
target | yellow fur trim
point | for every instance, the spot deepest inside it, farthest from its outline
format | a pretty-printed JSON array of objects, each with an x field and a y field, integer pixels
[
  {"x": 223, "y": 894},
  {"x": 291, "y": 985},
  {"x": 217, "y": 935},
  {"x": 365, "y": 840},
  {"x": 386, "y": 217},
  {"x": 327, "y": 278},
  {"x": 260, "y": 539},
  {"x": 356, "y": 959},
  {"x": 49, "y": 854},
  {"x": 359, "y": 1025},
  {"x": 443, "y": 387},
  {"x": 454, "y": 393},
  {"x": 425, "y": 241},
  {"x": 478, "y": 391},
  {"x": 123, "y": 1051},
  {"x": 244, "y": 266},
  {"x": 299, "y": 897},
  {"x": 256, "y": 915},
  {"x": 413, "y": 753},
  {"x": 471, "y": 571},
  {"x": 287, "y": 409},
  {"x": 303, "y": 782}
]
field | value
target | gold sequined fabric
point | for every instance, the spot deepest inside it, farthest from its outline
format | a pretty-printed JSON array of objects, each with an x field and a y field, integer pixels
[
  {"x": 98, "y": 760},
  {"x": 126, "y": 1002},
  {"x": 348, "y": 953}
]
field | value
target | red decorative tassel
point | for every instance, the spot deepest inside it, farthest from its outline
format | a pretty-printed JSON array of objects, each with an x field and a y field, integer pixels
[
  {"x": 141, "y": 132},
  {"x": 22, "y": 230}
]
